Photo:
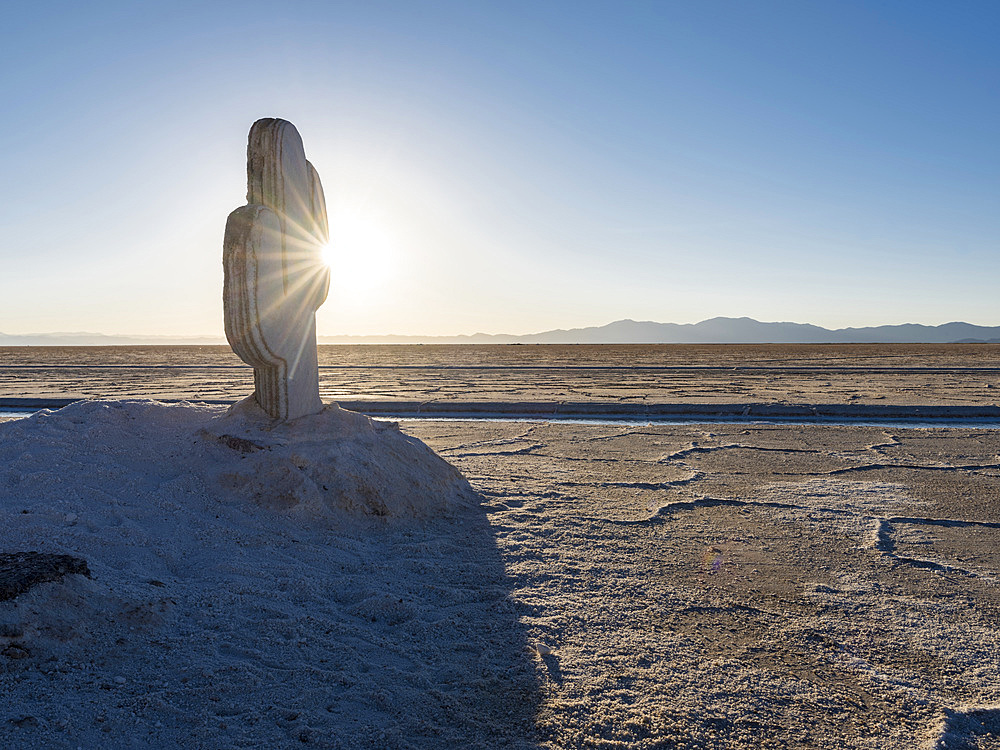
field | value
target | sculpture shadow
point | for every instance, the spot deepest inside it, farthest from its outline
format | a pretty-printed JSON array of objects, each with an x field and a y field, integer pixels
[
  {"x": 453, "y": 667},
  {"x": 404, "y": 636}
]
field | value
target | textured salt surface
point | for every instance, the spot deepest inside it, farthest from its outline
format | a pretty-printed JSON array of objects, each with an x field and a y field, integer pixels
[
  {"x": 699, "y": 586},
  {"x": 893, "y": 374},
  {"x": 723, "y": 586}
]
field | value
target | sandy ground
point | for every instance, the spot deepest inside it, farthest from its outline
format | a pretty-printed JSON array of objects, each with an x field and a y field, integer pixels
[
  {"x": 617, "y": 587},
  {"x": 858, "y": 374}
]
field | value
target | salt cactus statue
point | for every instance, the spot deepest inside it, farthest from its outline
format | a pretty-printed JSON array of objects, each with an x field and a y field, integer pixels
[{"x": 275, "y": 279}]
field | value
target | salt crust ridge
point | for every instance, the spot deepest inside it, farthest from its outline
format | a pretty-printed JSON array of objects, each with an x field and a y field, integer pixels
[{"x": 254, "y": 584}]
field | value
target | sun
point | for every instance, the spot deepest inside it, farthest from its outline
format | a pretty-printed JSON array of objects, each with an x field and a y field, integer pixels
[
  {"x": 359, "y": 254},
  {"x": 327, "y": 254}
]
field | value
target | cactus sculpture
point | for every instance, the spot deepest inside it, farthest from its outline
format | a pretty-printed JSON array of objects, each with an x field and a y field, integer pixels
[{"x": 275, "y": 279}]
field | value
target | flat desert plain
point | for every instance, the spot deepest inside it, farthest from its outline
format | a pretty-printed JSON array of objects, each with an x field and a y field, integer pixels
[
  {"x": 735, "y": 585},
  {"x": 731, "y": 586},
  {"x": 955, "y": 374}
]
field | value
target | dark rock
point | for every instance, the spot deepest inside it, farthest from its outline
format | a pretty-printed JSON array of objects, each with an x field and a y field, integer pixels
[
  {"x": 25, "y": 721},
  {"x": 16, "y": 651},
  {"x": 19, "y": 571},
  {"x": 240, "y": 444}
]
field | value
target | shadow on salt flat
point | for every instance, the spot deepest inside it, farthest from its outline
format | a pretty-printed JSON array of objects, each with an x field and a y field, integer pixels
[
  {"x": 960, "y": 727},
  {"x": 215, "y": 622}
]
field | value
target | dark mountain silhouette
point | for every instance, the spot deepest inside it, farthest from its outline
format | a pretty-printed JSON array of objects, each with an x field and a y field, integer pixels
[{"x": 712, "y": 331}]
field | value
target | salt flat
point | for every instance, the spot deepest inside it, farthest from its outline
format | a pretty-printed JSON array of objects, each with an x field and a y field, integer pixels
[
  {"x": 750, "y": 586},
  {"x": 909, "y": 374},
  {"x": 642, "y": 586},
  {"x": 724, "y": 586}
]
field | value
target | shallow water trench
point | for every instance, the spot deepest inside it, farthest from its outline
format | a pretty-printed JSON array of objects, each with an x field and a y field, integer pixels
[{"x": 597, "y": 421}]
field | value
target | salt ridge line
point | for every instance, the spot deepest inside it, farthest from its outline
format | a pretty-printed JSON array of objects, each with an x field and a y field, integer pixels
[
  {"x": 557, "y": 368},
  {"x": 986, "y": 416}
]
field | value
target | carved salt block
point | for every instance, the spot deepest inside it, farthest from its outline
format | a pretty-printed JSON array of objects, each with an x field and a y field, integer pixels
[{"x": 275, "y": 278}]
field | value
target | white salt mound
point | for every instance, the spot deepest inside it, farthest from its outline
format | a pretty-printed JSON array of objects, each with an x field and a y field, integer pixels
[
  {"x": 330, "y": 581},
  {"x": 326, "y": 464},
  {"x": 333, "y": 465}
]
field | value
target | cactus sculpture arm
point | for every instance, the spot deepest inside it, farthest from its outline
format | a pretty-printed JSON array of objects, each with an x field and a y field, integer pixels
[{"x": 275, "y": 279}]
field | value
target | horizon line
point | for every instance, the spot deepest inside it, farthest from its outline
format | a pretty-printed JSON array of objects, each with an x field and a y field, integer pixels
[{"x": 220, "y": 338}]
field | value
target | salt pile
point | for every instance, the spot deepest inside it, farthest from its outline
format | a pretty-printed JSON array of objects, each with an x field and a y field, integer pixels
[{"x": 328, "y": 581}]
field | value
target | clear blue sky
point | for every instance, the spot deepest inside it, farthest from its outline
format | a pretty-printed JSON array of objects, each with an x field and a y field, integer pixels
[{"x": 510, "y": 166}]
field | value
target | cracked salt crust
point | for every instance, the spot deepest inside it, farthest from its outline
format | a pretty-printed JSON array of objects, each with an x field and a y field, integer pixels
[{"x": 759, "y": 611}]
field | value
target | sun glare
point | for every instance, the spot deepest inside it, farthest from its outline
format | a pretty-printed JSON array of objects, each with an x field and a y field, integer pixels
[
  {"x": 359, "y": 254},
  {"x": 327, "y": 253}
]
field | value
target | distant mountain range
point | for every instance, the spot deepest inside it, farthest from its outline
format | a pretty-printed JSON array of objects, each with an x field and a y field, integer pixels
[{"x": 712, "y": 331}]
